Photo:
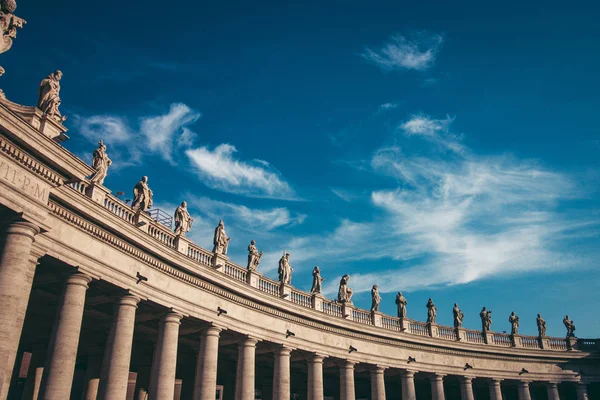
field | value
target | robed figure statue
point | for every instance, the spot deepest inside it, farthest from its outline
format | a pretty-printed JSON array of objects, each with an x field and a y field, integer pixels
[
  {"x": 458, "y": 316},
  {"x": 375, "y": 298},
  {"x": 142, "y": 195},
  {"x": 401, "y": 302},
  {"x": 253, "y": 256},
  {"x": 48, "y": 95},
  {"x": 183, "y": 220},
  {"x": 220, "y": 240},
  {"x": 514, "y": 323},
  {"x": 100, "y": 162},
  {"x": 431, "y": 312},
  {"x": 285, "y": 269},
  {"x": 317, "y": 281}
]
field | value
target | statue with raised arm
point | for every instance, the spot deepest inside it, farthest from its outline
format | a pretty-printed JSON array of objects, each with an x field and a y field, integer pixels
[
  {"x": 142, "y": 195},
  {"x": 344, "y": 292},
  {"x": 285, "y": 269},
  {"x": 183, "y": 220},
  {"x": 514, "y": 323},
  {"x": 375, "y": 298},
  {"x": 458, "y": 316},
  {"x": 317, "y": 281},
  {"x": 401, "y": 303},
  {"x": 100, "y": 162},
  {"x": 570, "y": 325},
  {"x": 431, "y": 311},
  {"x": 541, "y": 325},
  {"x": 253, "y": 256},
  {"x": 49, "y": 96},
  {"x": 486, "y": 319},
  {"x": 8, "y": 24},
  {"x": 220, "y": 240}
]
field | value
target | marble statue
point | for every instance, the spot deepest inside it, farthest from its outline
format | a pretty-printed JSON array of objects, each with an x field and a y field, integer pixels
[
  {"x": 48, "y": 96},
  {"x": 285, "y": 269},
  {"x": 183, "y": 220},
  {"x": 100, "y": 163},
  {"x": 458, "y": 316},
  {"x": 486, "y": 319},
  {"x": 541, "y": 324},
  {"x": 9, "y": 23},
  {"x": 253, "y": 256},
  {"x": 220, "y": 240},
  {"x": 375, "y": 298},
  {"x": 514, "y": 323},
  {"x": 401, "y": 302},
  {"x": 570, "y": 325},
  {"x": 431, "y": 312},
  {"x": 142, "y": 195},
  {"x": 317, "y": 281},
  {"x": 344, "y": 292}
]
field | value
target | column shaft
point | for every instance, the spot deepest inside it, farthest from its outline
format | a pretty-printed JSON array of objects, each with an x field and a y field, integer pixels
[
  {"x": 552, "y": 390},
  {"x": 246, "y": 369},
  {"x": 34, "y": 375},
  {"x": 408, "y": 385},
  {"x": 205, "y": 384},
  {"x": 523, "y": 388},
  {"x": 162, "y": 383},
  {"x": 496, "y": 389},
  {"x": 315, "y": 377},
  {"x": 347, "y": 381},
  {"x": 92, "y": 378},
  {"x": 437, "y": 387},
  {"x": 581, "y": 389},
  {"x": 466, "y": 388},
  {"x": 62, "y": 349},
  {"x": 377, "y": 383},
  {"x": 281, "y": 374},
  {"x": 16, "y": 277},
  {"x": 114, "y": 375}
]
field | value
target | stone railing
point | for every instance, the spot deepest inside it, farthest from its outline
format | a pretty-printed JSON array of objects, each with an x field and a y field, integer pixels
[{"x": 206, "y": 258}]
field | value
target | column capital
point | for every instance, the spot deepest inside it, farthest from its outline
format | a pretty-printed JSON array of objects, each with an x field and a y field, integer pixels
[
  {"x": 249, "y": 341},
  {"x": 316, "y": 358},
  {"x": 496, "y": 381},
  {"x": 407, "y": 373},
  {"x": 283, "y": 350},
  {"x": 129, "y": 300},
  {"x": 79, "y": 278},
  {"x": 436, "y": 376},
  {"x": 24, "y": 228},
  {"x": 377, "y": 369},
  {"x": 467, "y": 379},
  {"x": 552, "y": 383},
  {"x": 212, "y": 330},
  {"x": 172, "y": 317}
]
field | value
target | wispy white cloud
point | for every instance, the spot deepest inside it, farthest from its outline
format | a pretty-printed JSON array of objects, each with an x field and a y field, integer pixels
[
  {"x": 434, "y": 130},
  {"x": 221, "y": 170},
  {"x": 387, "y": 106},
  {"x": 415, "y": 53}
]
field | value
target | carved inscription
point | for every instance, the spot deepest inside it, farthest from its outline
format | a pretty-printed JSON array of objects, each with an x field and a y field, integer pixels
[{"x": 24, "y": 181}]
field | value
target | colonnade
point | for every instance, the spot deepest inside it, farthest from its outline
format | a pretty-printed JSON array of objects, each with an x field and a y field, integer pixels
[{"x": 17, "y": 268}]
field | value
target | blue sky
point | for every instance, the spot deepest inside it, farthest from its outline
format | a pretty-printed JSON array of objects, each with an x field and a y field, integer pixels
[{"x": 445, "y": 151}]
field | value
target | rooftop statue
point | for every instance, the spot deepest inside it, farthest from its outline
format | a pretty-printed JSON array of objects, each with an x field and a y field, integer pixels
[
  {"x": 253, "y": 256},
  {"x": 317, "y": 281},
  {"x": 514, "y": 323},
  {"x": 486, "y": 319},
  {"x": 48, "y": 96},
  {"x": 401, "y": 302},
  {"x": 541, "y": 324},
  {"x": 431, "y": 312},
  {"x": 220, "y": 240},
  {"x": 375, "y": 298},
  {"x": 8, "y": 24},
  {"x": 183, "y": 220},
  {"x": 570, "y": 325},
  {"x": 142, "y": 195},
  {"x": 344, "y": 292},
  {"x": 285, "y": 269},
  {"x": 100, "y": 163},
  {"x": 458, "y": 316}
]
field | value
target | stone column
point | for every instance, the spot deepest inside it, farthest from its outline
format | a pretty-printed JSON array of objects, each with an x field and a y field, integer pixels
[
  {"x": 62, "y": 349},
  {"x": 205, "y": 383},
  {"x": 347, "y": 380},
  {"x": 34, "y": 374},
  {"x": 466, "y": 388},
  {"x": 114, "y": 375},
  {"x": 495, "y": 389},
  {"x": 408, "y": 385},
  {"x": 246, "y": 367},
  {"x": 162, "y": 382},
  {"x": 437, "y": 387},
  {"x": 581, "y": 389},
  {"x": 552, "y": 390},
  {"x": 92, "y": 378},
  {"x": 315, "y": 377},
  {"x": 281, "y": 374},
  {"x": 523, "y": 387},
  {"x": 16, "y": 277},
  {"x": 377, "y": 383},
  {"x": 131, "y": 384}
]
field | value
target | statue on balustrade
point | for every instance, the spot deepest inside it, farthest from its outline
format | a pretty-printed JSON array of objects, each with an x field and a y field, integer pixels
[
  {"x": 514, "y": 323},
  {"x": 253, "y": 256},
  {"x": 183, "y": 220},
  {"x": 220, "y": 240},
  {"x": 317, "y": 281},
  {"x": 541, "y": 324},
  {"x": 401, "y": 303},
  {"x": 486, "y": 319},
  {"x": 458, "y": 316},
  {"x": 49, "y": 96},
  {"x": 570, "y": 325},
  {"x": 431, "y": 312},
  {"x": 142, "y": 195},
  {"x": 375, "y": 298},
  {"x": 285, "y": 269},
  {"x": 344, "y": 292},
  {"x": 100, "y": 162}
]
